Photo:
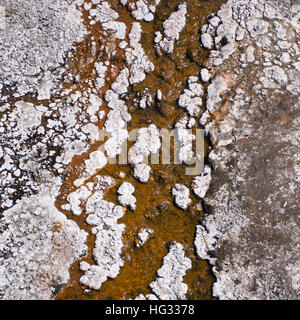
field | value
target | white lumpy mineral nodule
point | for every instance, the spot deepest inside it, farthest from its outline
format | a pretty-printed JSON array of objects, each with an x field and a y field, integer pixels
[{"x": 169, "y": 284}]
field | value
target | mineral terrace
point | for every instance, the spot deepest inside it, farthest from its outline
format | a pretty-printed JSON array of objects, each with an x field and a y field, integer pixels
[{"x": 86, "y": 87}]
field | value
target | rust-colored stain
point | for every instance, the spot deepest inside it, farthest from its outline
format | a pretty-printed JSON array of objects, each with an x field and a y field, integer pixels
[{"x": 155, "y": 204}]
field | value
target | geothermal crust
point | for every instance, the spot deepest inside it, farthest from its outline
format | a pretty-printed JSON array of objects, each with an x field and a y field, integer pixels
[
  {"x": 249, "y": 187},
  {"x": 251, "y": 234}
]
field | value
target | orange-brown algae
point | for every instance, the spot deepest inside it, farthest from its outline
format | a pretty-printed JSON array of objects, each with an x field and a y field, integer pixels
[{"x": 155, "y": 205}]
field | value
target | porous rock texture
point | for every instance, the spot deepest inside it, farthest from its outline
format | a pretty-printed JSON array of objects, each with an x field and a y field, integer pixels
[
  {"x": 169, "y": 284},
  {"x": 50, "y": 158},
  {"x": 37, "y": 242},
  {"x": 37, "y": 246},
  {"x": 108, "y": 245},
  {"x": 34, "y": 41},
  {"x": 251, "y": 234}
]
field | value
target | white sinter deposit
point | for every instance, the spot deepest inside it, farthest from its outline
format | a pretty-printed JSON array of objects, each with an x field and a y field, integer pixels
[
  {"x": 147, "y": 143},
  {"x": 37, "y": 242},
  {"x": 50, "y": 157},
  {"x": 126, "y": 198},
  {"x": 37, "y": 246},
  {"x": 28, "y": 65},
  {"x": 143, "y": 236},
  {"x": 139, "y": 63},
  {"x": 169, "y": 284},
  {"x": 144, "y": 11},
  {"x": 107, "y": 252},
  {"x": 181, "y": 194},
  {"x": 142, "y": 172},
  {"x": 200, "y": 184},
  {"x": 172, "y": 27}
]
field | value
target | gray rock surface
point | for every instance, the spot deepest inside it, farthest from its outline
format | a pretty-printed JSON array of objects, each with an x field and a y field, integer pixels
[
  {"x": 32, "y": 48},
  {"x": 251, "y": 235},
  {"x": 37, "y": 246}
]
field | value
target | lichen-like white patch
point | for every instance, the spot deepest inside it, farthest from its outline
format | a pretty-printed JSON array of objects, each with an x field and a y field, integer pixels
[
  {"x": 207, "y": 41},
  {"x": 104, "y": 13},
  {"x": 181, "y": 194},
  {"x": 147, "y": 142},
  {"x": 75, "y": 198},
  {"x": 190, "y": 99},
  {"x": 119, "y": 28},
  {"x": 172, "y": 28},
  {"x": 96, "y": 161},
  {"x": 184, "y": 139},
  {"x": 28, "y": 63},
  {"x": 126, "y": 198},
  {"x": 117, "y": 118},
  {"x": 257, "y": 27},
  {"x": 146, "y": 99},
  {"x": 142, "y": 171},
  {"x": 28, "y": 115},
  {"x": 143, "y": 236},
  {"x": 140, "y": 65},
  {"x": 142, "y": 11},
  {"x": 121, "y": 84},
  {"x": 169, "y": 284},
  {"x": 146, "y": 297},
  {"x": 37, "y": 247},
  {"x": 101, "y": 70},
  {"x": 204, "y": 74},
  {"x": 276, "y": 73},
  {"x": 108, "y": 246},
  {"x": 201, "y": 184}
]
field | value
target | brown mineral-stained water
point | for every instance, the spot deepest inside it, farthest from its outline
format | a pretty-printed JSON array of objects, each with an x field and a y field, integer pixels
[{"x": 155, "y": 207}]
